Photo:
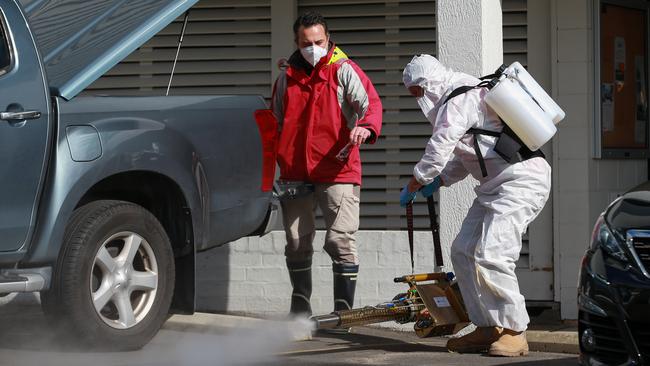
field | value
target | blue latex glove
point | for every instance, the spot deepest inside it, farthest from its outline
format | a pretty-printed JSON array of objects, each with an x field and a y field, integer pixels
[
  {"x": 431, "y": 188},
  {"x": 405, "y": 196}
]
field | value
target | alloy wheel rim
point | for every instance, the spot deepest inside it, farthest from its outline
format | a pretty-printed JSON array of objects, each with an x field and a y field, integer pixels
[{"x": 124, "y": 280}]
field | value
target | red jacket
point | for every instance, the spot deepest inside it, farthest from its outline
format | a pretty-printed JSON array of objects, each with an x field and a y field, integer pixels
[{"x": 316, "y": 111}]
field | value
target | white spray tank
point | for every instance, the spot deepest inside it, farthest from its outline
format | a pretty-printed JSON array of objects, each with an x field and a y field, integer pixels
[{"x": 524, "y": 106}]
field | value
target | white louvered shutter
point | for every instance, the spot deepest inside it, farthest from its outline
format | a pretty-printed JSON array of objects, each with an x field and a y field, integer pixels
[
  {"x": 515, "y": 31},
  {"x": 382, "y": 37},
  {"x": 515, "y": 48},
  {"x": 226, "y": 50}
]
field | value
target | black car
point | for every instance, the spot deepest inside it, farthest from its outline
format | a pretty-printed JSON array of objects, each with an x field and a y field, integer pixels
[{"x": 614, "y": 287}]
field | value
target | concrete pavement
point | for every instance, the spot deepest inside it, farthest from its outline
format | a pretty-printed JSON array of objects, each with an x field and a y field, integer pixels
[
  {"x": 376, "y": 346},
  {"x": 210, "y": 339},
  {"x": 549, "y": 344},
  {"x": 553, "y": 338},
  {"x": 556, "y": 338}
]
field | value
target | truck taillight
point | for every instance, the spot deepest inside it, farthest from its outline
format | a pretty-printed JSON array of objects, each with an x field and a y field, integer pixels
[{"x": 268, "y": 127}]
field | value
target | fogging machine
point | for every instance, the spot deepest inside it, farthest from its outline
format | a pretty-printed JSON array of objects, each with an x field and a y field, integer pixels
[{"x": 433, "y": 300}]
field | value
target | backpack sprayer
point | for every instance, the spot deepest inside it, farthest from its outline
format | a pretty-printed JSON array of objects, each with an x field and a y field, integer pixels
[
  {"x": 433, "y": 301},
  {"x": 523, "y": 105}
]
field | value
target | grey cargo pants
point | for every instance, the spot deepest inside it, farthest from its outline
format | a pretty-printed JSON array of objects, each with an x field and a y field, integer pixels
[{"x": 340, "y": 206}]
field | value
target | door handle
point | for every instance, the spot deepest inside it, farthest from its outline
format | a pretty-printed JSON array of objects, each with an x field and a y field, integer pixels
[{"x": 19, "y": 116}]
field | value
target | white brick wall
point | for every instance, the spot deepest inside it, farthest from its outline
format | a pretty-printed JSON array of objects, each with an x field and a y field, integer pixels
[{"x": 255, "y": 279}]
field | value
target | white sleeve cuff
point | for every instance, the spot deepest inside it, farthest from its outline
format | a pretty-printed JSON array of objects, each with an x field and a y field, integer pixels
[{"x": 421, "y": 176}]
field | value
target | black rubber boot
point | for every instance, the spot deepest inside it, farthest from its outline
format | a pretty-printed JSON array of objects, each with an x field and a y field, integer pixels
[
  {"x": 300, "y": 275},
  {"x": 345, "y": 282}
]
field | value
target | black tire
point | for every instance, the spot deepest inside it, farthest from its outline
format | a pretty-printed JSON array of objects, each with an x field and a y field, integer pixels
[{"x": 70, "y": 299}]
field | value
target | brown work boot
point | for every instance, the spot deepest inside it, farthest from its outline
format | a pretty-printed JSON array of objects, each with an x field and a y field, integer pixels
[
  {"x": 510, "y": 344},
  {"x": 477, "y": 341}
]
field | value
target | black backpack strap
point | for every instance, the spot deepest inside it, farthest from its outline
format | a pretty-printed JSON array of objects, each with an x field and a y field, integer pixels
[
  {"x": 465, "y": 88},
  {"x": 527, "y": 154},
  {"x": 488, "y": 81},
  {"x": 496, "y": 74},
  {"x": 479, "y": 155},
  {"x": 477, "y": 148},
  {"x": 480, "y": 131},
  {"x": 458, "y": 91}
]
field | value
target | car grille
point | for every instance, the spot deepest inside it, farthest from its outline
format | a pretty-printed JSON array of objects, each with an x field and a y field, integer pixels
[
  {"x": 642, "y": 248},
  {"x": 610, "y": 348}
]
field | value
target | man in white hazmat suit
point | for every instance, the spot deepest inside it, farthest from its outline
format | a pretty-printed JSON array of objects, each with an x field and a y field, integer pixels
[{"x": 509, "y": 197}]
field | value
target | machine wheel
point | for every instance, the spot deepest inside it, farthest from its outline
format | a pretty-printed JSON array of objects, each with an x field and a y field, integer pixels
[{"x": 114, "y": 281}]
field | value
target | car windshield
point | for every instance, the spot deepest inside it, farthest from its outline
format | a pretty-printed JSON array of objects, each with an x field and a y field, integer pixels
[{"x": 631, "y": 212}]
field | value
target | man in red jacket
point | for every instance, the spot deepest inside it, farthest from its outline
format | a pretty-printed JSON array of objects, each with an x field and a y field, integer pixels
[{"x": 326, "y": 107}]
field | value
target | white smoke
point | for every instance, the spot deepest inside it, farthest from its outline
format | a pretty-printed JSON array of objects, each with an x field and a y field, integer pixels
[{"x": 26, "y": 340}]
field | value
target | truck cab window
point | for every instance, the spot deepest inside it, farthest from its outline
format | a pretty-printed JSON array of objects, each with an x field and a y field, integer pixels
[{"x": 5, "y": 51}]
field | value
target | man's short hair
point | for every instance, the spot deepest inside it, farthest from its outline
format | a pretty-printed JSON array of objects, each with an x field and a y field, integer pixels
[{"x": 310, "y": 19}]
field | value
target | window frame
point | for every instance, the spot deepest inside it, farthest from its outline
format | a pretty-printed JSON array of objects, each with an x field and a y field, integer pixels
[{"x": 616, "y": 153}]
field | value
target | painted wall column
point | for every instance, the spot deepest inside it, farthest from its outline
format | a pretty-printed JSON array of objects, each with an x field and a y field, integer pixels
[
  {"x": 470, "y": 40},
  {"x": 283, "y": 14}
]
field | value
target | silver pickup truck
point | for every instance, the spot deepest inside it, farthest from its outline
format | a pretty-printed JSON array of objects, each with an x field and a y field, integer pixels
[{"x": 105, "y": 202}]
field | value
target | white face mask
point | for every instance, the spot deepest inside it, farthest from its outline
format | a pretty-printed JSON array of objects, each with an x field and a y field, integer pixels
[
  {"x": 429, "y": 104},
  {"x": 313, "y": 54},
  {"x": 426, "y": 105}
]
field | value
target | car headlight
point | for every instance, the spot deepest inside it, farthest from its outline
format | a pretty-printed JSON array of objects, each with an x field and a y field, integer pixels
[{"x": 604, "y": 238}]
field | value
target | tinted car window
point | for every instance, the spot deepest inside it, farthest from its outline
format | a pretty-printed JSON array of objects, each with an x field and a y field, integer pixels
[
  {"x": 5, "y": 51},
  {"x": 631, "y": 212}
]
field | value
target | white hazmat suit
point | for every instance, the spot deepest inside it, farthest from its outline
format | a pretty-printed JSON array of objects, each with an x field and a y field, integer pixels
[{"x": 487, "y": 247}]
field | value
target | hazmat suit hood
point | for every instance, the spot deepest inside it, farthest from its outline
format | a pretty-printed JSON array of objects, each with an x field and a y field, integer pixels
[{"x": 436, "y": 79}]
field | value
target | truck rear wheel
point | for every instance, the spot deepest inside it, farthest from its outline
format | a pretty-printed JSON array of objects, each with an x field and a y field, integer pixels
[{"x": 114, "y": 281}]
